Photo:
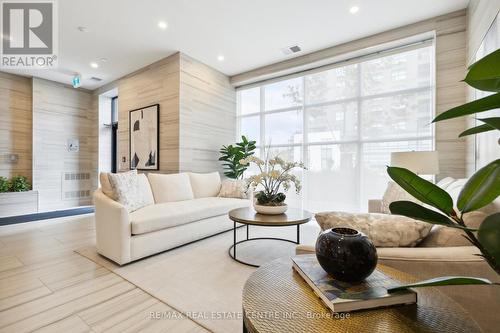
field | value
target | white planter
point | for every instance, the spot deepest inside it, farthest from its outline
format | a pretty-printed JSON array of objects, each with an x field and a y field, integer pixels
[
  {"x": 18, "y": 203},
  {"x": 270, "y": 210}
]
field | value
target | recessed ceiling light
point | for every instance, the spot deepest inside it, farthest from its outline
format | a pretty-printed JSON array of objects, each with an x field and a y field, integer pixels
[
  {"x": 162, "y": 25},
  {"x": 354, "y": 9},
  {"x": 220, "y": 57},
  {"x": 94, "y": 65}
]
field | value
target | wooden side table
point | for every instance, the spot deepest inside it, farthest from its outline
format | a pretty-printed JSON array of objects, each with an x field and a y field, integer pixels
[{"x": 277, "y": 299}]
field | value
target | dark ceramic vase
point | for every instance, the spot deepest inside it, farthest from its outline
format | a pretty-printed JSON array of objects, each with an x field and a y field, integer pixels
[{"x": 346, "y": 254}]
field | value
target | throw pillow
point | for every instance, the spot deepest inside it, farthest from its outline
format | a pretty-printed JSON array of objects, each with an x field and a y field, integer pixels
[
  {"x": 394, "y": 192},
  {"x": 106, "y": 187},
  {"x": 172, "y": 187},
  {"x": 383, "y": 230},
  {"x": 441, "y": 236},
  {"x": 130, "y": 190},
  {"x": 144, "y": 189},
  {"x": 233, "y": 188},
  {"x": 205, "y": 184}
]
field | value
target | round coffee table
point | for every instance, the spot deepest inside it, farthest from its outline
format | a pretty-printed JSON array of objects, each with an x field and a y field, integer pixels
[
  {"x": 277, "y": 299},
  {"x": 249, "y": 216}
]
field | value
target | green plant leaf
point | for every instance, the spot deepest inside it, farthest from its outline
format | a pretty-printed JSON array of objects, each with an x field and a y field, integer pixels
[
  {"x": 481, "y": 189},
  {"x": 485, "y": 73},
  {"x": 493, "y": 122},
  {"x": 418, "y": 212},
  {"x": 479, "y": 105},
  {"x": 422, "y": 189},
  {"x": 442, "y": 281},
  {"x": 476, "y": 130},
  {"x": 489, "y": 236}
]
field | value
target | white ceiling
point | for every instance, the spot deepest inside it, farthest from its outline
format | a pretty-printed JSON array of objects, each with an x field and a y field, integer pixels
[{"x": 249, "y": 33}]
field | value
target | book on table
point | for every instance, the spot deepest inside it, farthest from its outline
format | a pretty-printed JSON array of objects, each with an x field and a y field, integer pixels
[{"x": 343, "y": 296}]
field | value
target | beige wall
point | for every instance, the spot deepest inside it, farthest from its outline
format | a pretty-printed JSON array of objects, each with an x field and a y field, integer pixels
[
  {"x": 15, "y": 124},
  {"x": 60, "y": 113},
  {"x": 450, "y": 32},
  {"x": 155, "y": 84},
  {"x": 197, "y": 116},
  {"x": 450, "y": 92},
  {"x": 197, "y": 112},
  {"x": 207, "y": 115}
]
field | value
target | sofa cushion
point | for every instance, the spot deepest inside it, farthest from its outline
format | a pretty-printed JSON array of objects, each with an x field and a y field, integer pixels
[
  {"x": 171, "y": 214},
  {"x": 382, "y": 229},
  {"x": 131, "y": 190},
  {"x": 205, "y": 184},
  {"x": 441, "y": 236},
  {"x": 169, "y": 188}
]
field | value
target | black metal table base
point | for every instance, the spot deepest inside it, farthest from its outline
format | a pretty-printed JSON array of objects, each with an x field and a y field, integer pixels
[{"x": 248, "y": 239}]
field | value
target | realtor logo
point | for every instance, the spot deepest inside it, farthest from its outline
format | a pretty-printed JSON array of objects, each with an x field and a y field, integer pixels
[{"x": 29, "y": 34}]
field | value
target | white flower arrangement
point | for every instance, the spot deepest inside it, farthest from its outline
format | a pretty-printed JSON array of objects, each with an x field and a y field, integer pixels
[{"x": 274, "y": 173}]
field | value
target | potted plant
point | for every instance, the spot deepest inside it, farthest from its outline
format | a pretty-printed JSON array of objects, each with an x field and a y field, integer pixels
[
  {"x": 481, "y": 189},
  {"x": 4, "y": 185},
  {"x": 16, "y": 196},
  {"x": 232, "y": 155},
  {"x": 274, "y": 174},
  {"x": 19, "y": 184}
]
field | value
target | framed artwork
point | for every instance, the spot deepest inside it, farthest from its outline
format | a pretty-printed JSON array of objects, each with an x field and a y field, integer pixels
[{"x": 144, "y": 134}]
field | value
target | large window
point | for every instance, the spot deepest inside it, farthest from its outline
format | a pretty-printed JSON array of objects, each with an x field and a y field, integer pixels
[{"x": 343, "y": 123}]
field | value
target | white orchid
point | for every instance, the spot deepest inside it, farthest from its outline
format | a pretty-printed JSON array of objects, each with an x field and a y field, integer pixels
[{"x": 274, "y": 174}]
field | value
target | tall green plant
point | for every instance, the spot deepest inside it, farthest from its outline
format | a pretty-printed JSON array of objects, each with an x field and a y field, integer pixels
[
  {"x": 480, "y": 190},
  {"x": 232, "y": 155}
]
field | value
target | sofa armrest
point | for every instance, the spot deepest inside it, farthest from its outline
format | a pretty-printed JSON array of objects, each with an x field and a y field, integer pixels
[
  {"x": 430, "y": 254},
  {"x": 374, "y": 206},
  {"x": 113, "y": 230}
]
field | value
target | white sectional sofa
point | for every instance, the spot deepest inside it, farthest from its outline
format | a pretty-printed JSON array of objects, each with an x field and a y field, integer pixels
[{"x": 186, "y": 208}]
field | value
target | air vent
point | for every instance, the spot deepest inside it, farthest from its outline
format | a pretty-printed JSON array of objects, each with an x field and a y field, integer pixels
[
  {"x": 291, "y": 49},
  {"x": 76, "y": 185},
  {"x": 76, "y": 194},
  {"x": 96, "y": 79}
]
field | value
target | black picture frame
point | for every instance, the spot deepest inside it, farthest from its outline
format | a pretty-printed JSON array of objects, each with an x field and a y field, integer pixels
[{"x": 132, "y": 150}]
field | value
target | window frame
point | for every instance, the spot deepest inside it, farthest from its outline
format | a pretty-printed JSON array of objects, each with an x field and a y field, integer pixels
[{"x": 360, "y": 142}]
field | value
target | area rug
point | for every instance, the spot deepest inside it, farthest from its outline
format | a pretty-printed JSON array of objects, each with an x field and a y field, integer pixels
[{"x": 200, "y": 280}]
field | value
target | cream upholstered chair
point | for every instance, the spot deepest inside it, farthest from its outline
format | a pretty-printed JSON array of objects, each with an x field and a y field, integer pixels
[{"x": 433, "y": 257}]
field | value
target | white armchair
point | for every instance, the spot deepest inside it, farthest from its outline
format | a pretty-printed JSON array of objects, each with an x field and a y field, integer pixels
[{"x": 424, "y": 262}]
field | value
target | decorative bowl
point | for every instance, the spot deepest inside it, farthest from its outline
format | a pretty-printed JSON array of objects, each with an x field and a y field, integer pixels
[
  {"x": 270, "y": 210},
  {"x": 346, "y": 254}
]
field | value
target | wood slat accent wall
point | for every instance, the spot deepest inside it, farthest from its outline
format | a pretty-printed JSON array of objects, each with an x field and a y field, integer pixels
[
  {"x": 450, "y": 32},
  {"x": 61, "y": 113},
  {"x": 451, "y": 66},
  {"x": 157, "y": 83},
  {"x": 207, "y": 115},
  {"x": 15, "y": 125}
]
